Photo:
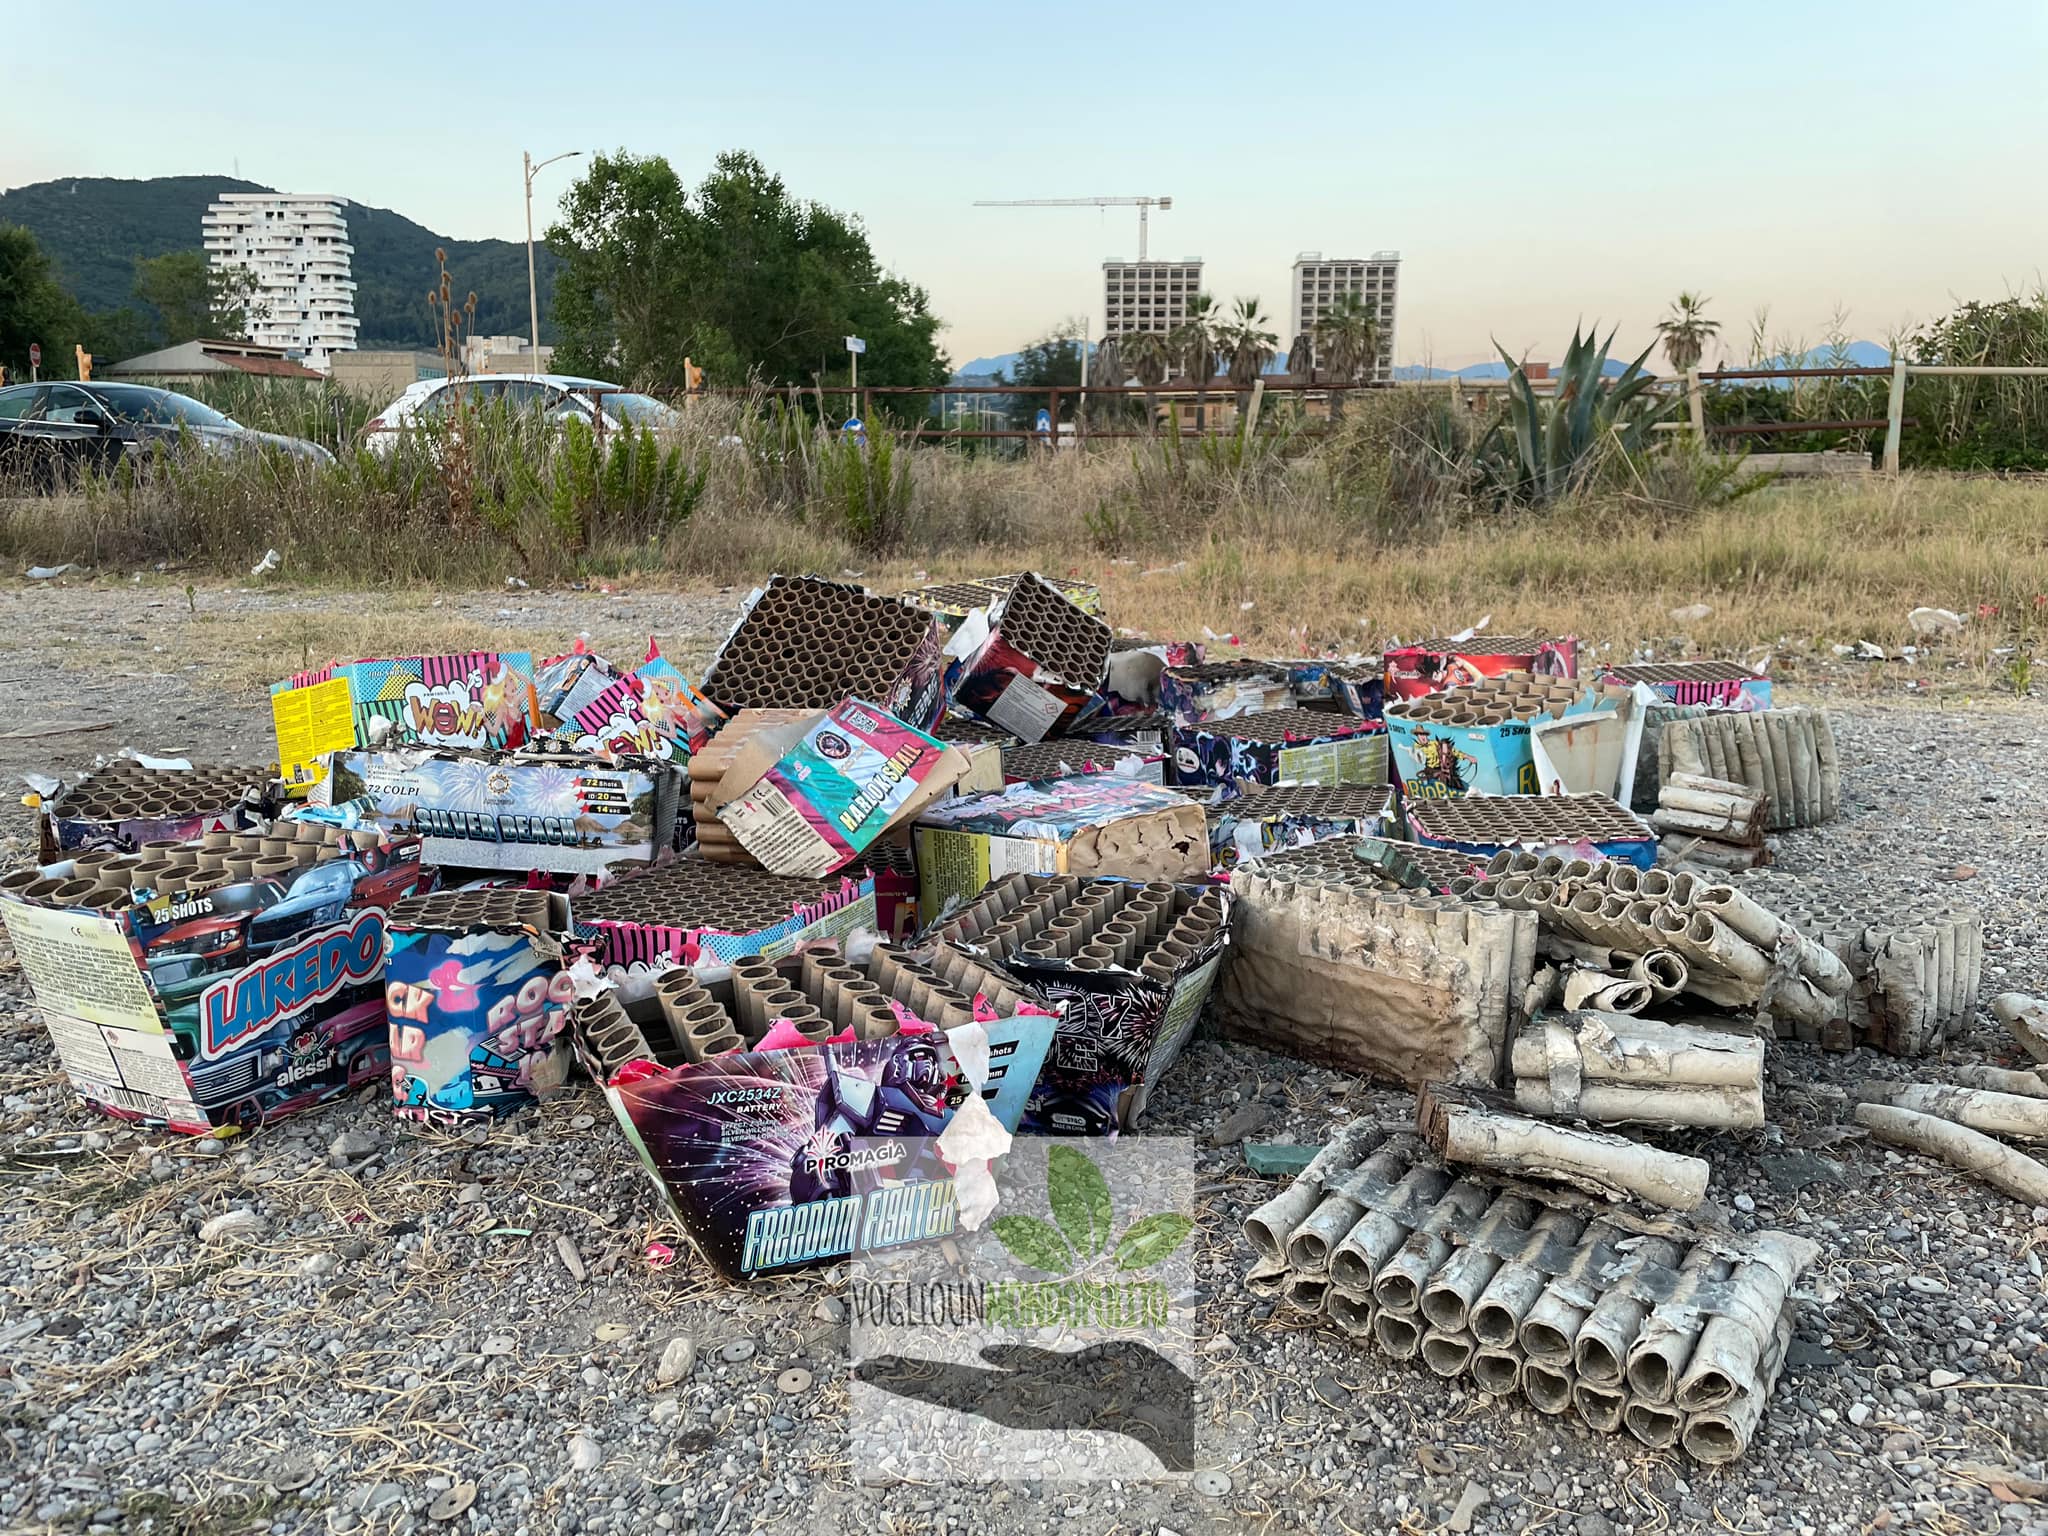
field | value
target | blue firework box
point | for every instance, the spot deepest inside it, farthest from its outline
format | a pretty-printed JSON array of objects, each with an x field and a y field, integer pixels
[
  {"x": 563, "y": 813},
  {"x": 226, "y": 1008},
  {"x": 476, "y": 998},
  {"x": 1281, "y": 746},
  {"x": 1476, "y": 741}
]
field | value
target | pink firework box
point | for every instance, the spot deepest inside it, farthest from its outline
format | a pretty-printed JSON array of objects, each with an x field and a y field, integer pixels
[{"x": 650, "y": 711}]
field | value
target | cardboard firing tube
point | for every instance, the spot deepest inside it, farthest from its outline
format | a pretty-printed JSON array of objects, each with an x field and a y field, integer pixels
[
  {"x": 1497, "y": 1314},
  {"x": 1270, "y": 1227},
  {"x": 1547, "y": 1385},
  {"x": 1351, "y": 1313},
  {"x": 1398, "y": 1283},
  {"x": 1355, "y": 1261},
  {"x": 1600, "y": 1406},
  {"x": 1552, "y": 1323},
  {"x": 1306, "y": 1293},
  {"x": 1311, "y": 1242},
  {"x": 1664, "y": 1347},
  {"x": 1496, "y": 1372},
  {"x": 1400, "y": 1337},
  {"x": 1448, "y": 1297},
  {"x": 1600, "y": 1352}
]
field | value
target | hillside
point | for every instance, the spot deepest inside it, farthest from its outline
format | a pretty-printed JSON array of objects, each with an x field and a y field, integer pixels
[{"x": 95, "y": 228}]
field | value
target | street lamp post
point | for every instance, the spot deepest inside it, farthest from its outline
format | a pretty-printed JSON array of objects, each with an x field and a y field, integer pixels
[{"x": 532, "y": 286}]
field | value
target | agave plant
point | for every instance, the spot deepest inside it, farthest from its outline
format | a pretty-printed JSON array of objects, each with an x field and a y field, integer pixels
[{"x": 1557, "y": 445}]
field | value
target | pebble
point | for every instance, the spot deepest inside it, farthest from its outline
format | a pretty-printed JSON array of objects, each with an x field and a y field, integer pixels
[
  {"x": 1945, "y": 1378},
  {"x": 585, "y": 1454},
  {"x": 317, "y": 1264},
  {"x": 232, "y": 1227},
  {"x": 678, "y": 1359}
]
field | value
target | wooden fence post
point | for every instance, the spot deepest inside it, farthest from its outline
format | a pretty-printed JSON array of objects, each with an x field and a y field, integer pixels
[
  {"x": 1895, "y": 416},
  {"x": 1696, "y": 405}
]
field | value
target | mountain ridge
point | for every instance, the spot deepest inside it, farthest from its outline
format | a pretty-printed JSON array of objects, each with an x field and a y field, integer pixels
[{"x": 95, "y": 228}]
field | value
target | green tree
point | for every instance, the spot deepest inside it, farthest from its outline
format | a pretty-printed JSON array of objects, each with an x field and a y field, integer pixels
[
  {"x": 1347, "y": 345},
  {"x": 1247, "y": 346},
  {"x": 1049, "y": 361},
  {"x": 1147, "y": 359},
  {"x": 1687, "y": 330},
  {"x": 179, "y": 288},
  {"x": 1193, "y": 346},
  {"x": 34, "y": 308},
  {"x": 745, "y": 279}
]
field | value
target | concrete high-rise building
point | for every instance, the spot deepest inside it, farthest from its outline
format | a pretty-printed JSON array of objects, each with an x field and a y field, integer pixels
[
  {"x": 295, "y": 250},
  {"x": 1147, "y": 295},
  {"x": 1319, "y": 283}
]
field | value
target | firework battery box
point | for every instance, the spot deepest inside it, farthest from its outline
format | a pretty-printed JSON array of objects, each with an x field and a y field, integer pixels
[
  {"x": 1483, "y": 825},
  {"x": 1067, "y": 757},
  {"x": 478, "y": 701},
  {"x": 1129, "y": 968},
  {"x": 221, "y": 982},
  {"x": 1217, "y": 690},
  {"x": 1147, "y": 730},
  {"x": 957, "y": 599},
  {"x": 786, "y": 1108},
  {"x": 476, "y": 1000},
  {"x": 650, "y": 711},
  {"x": 805, "y": 799},
  {"x": 1431, "y": 666},
  {"x": 1360, "y": 691},
  {"x": 805, "y": 643},
  {"x": 1034, "y": 663},
  {"x": 1281, "y": 746},
  {"x": 128, "y": 803},
  {"x": 1708, "y": 684},
  {"x": 692, "y": 911},
  {"x": 1477, "y": 739},
  {"x": 557, "y": 812},
  {"x": 1097, "y": 824},
  {"x": 1264, "y": 820}
]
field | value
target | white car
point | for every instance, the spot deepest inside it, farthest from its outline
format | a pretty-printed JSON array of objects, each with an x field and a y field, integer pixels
[{"x": 557, "y": 396}]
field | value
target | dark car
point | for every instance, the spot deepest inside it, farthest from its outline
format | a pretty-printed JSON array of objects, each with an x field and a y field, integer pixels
[{"x": 48, "y": 432}]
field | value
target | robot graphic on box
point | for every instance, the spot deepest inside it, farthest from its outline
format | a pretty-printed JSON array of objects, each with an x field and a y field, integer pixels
[{"x": 908, "y": 1099}]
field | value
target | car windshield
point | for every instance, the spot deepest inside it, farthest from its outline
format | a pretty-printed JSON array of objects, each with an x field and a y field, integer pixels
[
  {"x": 640, "y": 410},
  {"x": 158, "y": 407}
]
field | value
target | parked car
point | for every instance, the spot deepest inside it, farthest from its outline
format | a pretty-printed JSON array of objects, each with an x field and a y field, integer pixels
[
  {"x": 48, "y": 432},
  {"x": 555, "y": 396}
]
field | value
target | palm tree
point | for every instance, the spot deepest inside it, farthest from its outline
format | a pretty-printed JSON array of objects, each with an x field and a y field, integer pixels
[
  {"x": 1347, "y": 342},
  {"x": 1247, "y": 347},
  {"x": 1687, "y": 330},
  {"x": 1192, "y": 344},
  {"x": 1147, "y": 358}
]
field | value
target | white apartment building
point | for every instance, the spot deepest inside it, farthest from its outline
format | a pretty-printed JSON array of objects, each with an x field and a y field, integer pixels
[
  {"x": 296, "y": 251},
  {"x": 1319, "y": 283},
  {"x": 1147, "y": 295}
]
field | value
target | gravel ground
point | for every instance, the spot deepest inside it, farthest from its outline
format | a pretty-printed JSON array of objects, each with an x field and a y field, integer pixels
[{"x": 405, "y": 1313}]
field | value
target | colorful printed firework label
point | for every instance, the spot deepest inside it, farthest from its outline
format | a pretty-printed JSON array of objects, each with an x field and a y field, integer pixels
[
  {"x": 778, "y": 1160},
  {"x": 650, "y": 712},
  {"x": 834, "y": 791},
  {"x": 481, "y": 701},
  {"x": 479, "y": 813},
  {"x": 474, "y": 1022}
]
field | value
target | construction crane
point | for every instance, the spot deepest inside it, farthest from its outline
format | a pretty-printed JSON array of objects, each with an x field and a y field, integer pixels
[{"x": 1144, "y": 205}]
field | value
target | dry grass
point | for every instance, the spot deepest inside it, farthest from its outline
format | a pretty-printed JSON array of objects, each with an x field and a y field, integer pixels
[{"x": 1798, "y": 566}]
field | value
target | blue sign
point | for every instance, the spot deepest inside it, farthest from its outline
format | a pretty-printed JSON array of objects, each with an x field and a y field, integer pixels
[
  {"x": 1045, "y": 423},
  {"x": 858, "y": 428}
]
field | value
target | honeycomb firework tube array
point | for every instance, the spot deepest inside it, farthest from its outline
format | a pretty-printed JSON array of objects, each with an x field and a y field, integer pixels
[
  {"x": 1737, "y": 954},
  {"x": 807, "y": 643},
  {"x": 1335, "y": 862},
  {"x": 192, "y": 866},
  {"x": 816, "y": 993},
  {"x": 1268, "y": 818},
  {"x": 1054, "y": 631},
  {"x": 1090, "y": 925},
  {"x": 707, "y": 769},
  {"x": 490, "y": 907},
  {"x": 671, "y": 914},
  {"x": 127, "y": 791},
  {"x": 1659, "y": 1328},
  {"x": 1065, "y": 757},
  {"x": 1915, "y": 969},
  {"x": 956, "y": 599},
  {"x": 1474, "y": 823}
]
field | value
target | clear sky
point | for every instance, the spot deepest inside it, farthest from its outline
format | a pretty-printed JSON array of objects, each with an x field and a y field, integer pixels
[{"x": 1533, "y": 163}]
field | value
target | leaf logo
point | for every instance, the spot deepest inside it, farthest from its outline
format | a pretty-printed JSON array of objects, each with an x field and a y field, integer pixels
[{"x": 1082, "y": 1221}]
